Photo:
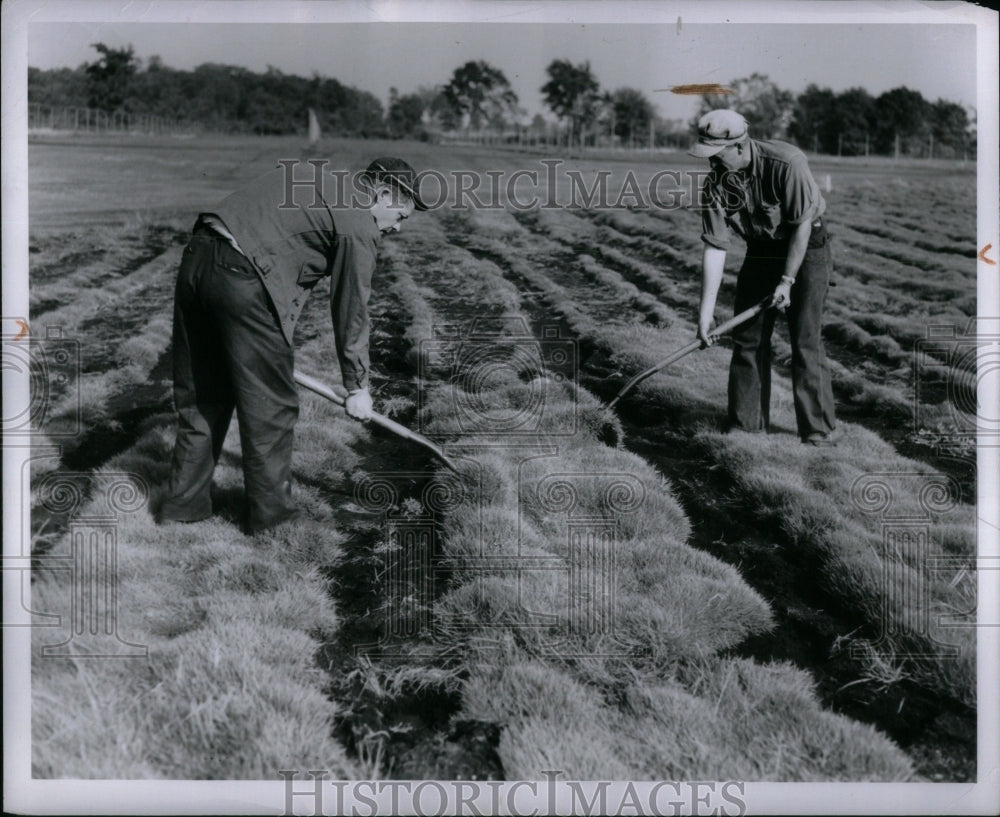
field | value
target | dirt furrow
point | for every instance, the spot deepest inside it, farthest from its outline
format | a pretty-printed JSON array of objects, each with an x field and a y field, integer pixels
[{"x": 395, "y": 685}]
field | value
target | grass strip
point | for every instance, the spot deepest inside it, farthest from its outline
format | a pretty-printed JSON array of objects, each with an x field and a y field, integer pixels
[
  {"x": 230, "y": 688},
  {"x": 674, "y": 604}
]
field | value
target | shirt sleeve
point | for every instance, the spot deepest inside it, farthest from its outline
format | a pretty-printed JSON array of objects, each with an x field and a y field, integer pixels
[
  {"x": 802, "y": 199},
  {"x": 714, "y": 229},
  {"x": 350, "y": 289}
]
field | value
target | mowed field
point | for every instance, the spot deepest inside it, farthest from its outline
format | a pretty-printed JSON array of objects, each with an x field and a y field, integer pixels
[{"x": 627, "y": 595}]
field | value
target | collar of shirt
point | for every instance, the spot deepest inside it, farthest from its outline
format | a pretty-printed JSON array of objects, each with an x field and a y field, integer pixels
[{"x": 754, "y": 151}]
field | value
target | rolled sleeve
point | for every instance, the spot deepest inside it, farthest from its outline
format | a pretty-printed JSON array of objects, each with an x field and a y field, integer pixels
[
  {"x": 802, "y": 199},
  {"x": 351, "y": 280},
  {"x": 714, "y": 228}
]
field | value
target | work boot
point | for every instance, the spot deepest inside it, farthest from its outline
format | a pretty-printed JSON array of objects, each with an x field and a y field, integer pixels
[
  {"x": 820, "y": 440},
  {"x": 293, "y": 515}
]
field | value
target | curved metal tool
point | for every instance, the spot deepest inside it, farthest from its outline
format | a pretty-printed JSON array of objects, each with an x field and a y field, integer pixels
[
  {"x": 728, "y": 326},
  {"x": 323, "y": 390}
]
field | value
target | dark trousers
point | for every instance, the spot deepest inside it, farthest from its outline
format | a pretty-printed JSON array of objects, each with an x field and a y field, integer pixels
[
  {"x": 750, "y": 370},
  {"x": 229, "y": 353}
]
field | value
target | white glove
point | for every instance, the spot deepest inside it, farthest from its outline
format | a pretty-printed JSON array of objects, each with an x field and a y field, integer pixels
[{"x": 359, "y": 404}]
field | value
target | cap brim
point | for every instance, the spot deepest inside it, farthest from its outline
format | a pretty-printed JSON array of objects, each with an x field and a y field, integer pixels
[
  {"x": 418, "y": 203},
  {"x": 703, "y": 151}
]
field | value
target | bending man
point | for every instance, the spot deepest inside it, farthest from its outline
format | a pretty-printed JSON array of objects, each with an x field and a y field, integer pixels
[
  {"x": 243, "y": 280},
  {"x": 764, "y": 192}
]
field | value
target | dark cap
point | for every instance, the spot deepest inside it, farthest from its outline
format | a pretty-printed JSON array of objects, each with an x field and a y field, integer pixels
[
  {"x": 718, "y": 129},
  {"x": 392, "y": 171}
]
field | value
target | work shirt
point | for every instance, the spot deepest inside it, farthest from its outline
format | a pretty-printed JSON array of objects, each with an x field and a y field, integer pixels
[
  {"x": 763, "y": 202},
  {"x": 294, "y": 238}
]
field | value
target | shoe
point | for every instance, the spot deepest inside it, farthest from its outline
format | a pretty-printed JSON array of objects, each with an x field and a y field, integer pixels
[
  {"x": 820, "y": 440},
  {"x": 170, "y": 521},
  {"x": 292, "y": 516}
]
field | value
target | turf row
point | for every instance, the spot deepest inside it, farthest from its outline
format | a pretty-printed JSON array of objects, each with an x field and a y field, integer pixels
[
  {"x": 831, "y": 536},
  {"x": 604, "y": 702}
]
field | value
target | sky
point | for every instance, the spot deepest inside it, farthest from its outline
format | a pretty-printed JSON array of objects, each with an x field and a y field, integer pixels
[{"x": 936, "y": 59}]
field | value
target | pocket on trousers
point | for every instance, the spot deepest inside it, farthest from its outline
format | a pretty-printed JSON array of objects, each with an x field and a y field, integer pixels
[
  {"x": 818, "y": 237},
  {"x": 237, "y": 271},
  {"x": 232, "y": 263}
]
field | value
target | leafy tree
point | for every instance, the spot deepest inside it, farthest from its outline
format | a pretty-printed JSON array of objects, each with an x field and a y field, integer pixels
[
  {"x": 366, "y": 112},
  {"x": 814, "y": 125},
  {"x": 766, "y": 107},
  {"x": 673, "y": 133},
  {"x": 632, "y": 114},
  {"x": 972, "y": 132},
  {"x": 224, "y": 97},
  {"x": 60, "y": 86},
  {"x": 572, "y": 93},
  {"x": 479, "y": 92},
  {"x": 950, "y": 129},
  {"x": 108, "y": 78},
  {"x": 405, "y": 114},
  {"x": 439, "y": 111},
  {"x": 538, "y": 128},
  {"x": 833, "y": 123},
  {"x": 854, "y": 120},
  {"x": 905, "y": 115}
]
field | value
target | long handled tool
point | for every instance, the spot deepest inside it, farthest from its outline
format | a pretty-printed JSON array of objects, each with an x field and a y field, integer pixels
[
  {"x": 728, "y": 326},
  {"x": 323, "y": 390}
]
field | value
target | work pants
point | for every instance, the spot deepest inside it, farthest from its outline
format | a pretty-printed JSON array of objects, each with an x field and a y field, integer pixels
[
  {"x": 750, "y": 369},
  {"x": 229, "y": 352}
]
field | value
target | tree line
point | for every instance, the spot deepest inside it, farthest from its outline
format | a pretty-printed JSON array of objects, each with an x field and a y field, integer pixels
[
  {"x": 224, "y": 98},
  {"x": 899, "y": 122},
  {"x": 478, "y": 97}
]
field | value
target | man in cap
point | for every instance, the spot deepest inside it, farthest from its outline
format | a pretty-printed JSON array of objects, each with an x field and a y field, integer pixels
[
  {"x": 243, "y": 280},
  {"x": 764, "y": 192}
]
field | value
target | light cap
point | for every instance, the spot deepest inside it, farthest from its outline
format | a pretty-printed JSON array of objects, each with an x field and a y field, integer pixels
[{"x": 718, "y": 129}]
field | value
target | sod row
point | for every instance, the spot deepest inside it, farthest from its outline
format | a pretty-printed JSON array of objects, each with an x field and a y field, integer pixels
[
  {"x": 212, "y": 672},
  {"x": 808, "y": 494},
  {"x": 600, "y": 660},
  {"x": 117, "y": 337}
]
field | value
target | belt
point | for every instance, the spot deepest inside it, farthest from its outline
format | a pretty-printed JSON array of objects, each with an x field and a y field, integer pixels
[
  {"x": 208, "y": 223},
  {"x": 771, "y": 244}
]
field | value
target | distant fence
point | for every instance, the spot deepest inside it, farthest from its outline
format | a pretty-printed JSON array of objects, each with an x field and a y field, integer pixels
[
  {"x": 92, "y": 120},
  {"x": 525, "y": 139}
]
